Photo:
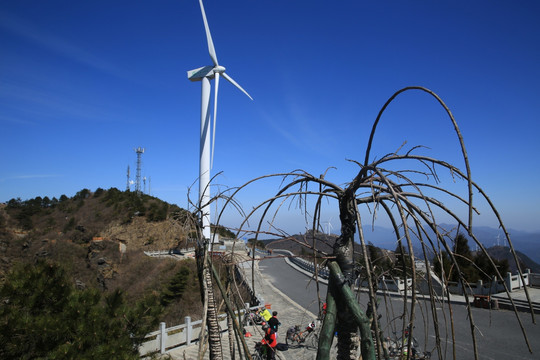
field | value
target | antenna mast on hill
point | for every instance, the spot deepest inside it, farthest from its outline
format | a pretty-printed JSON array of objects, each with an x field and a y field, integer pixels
[
  {"x": 127, "y": 184},
  {"x": 139, "y": 152}
]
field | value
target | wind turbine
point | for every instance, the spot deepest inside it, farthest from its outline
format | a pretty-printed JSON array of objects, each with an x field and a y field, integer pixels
[
  {"x": 329, "y": 226},
  {"x": 205, "y": 74}
]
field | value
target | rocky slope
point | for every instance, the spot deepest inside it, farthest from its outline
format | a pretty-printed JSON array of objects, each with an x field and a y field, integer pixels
[{"x": 99, "y": 238}]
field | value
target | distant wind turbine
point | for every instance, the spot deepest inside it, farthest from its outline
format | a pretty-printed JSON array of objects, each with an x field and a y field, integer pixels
[
  {"x": 205, "y": 74},
  {"x": 329, "y": 227}
]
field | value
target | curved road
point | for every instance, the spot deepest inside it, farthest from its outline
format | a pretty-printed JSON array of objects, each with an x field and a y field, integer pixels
[{"x": 498, "y": 337}]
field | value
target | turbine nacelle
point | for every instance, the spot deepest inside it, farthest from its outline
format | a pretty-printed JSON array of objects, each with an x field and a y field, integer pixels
[
  {"x": 200, "y": 73},
  {"x": 219, "y": 69},
  {"x": 205, "y": 71}
]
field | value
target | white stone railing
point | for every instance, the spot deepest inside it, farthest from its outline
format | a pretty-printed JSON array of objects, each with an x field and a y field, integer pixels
[
  {"x": 168, "y": 252},
  {"x": 513, "y": 282},
  {"x": 534, "y": 280},
  {"x": 185, "y": 334},
  {"x": 323, "y": 272}
]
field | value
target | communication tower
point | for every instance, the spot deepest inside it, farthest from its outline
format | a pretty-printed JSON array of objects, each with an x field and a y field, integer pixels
[{"x": 139, "y": 152}]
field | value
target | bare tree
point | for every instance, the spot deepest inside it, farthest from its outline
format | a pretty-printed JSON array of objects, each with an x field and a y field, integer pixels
[{"x": 404, "y": 187}]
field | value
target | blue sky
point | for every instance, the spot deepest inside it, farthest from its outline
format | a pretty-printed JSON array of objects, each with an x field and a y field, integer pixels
[{"x": 84, "y": 83}]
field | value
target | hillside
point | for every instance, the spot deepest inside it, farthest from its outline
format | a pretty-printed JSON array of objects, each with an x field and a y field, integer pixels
[
  {"x": 503, "y": 253},
  {"x": 139, "y": 221},
  {"x": 99, "y": 238},
  {"x": 301, "y": 244},
  {"x": 295, "y": 243}
]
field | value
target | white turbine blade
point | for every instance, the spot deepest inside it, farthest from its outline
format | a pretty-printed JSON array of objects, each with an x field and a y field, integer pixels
[
  {"x": 211, "y": 49},
  {"x": 215, "y": 116},
  {"x": 235, "y": 84}
]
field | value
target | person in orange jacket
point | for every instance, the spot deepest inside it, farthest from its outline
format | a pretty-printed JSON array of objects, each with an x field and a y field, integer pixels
[{"x": 269, "y": 341}]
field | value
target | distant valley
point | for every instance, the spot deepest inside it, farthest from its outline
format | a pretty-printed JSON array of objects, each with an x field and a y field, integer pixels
[{"x": 525, "y": 242}]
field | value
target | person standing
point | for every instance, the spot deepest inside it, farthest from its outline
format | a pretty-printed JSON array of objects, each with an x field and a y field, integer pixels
[
  {"x": 269, "y": 341},
  {"x": 263, "y": 311},
  {"x": 274, "y": 322}
]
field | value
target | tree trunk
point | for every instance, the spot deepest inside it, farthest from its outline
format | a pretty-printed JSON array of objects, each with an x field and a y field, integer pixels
[
  {"x": 230, "y": 332},
  {"x": 362, "y": 322},
  {"x": 214, "y": 334},
  {"x": 343, "y": 251},
  {"x": 208, "y": 300}
]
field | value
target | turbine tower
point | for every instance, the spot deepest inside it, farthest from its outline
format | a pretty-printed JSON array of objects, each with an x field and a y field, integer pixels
[{"x": 205, "y": 74}]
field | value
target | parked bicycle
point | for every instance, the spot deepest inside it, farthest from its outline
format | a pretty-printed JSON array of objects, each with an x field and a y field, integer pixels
[
  {"x": 399, "y": 347},
  {"x": 252, "y": 318},
  {"x": 308, "y": 336},
  {"x": 260, "y": 352}
]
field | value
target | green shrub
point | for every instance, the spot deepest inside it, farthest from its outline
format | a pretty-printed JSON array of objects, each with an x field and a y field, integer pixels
[{"x": 176, "y": 287}]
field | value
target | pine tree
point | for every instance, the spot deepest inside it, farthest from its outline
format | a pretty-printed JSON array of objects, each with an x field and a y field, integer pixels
[
  {"x": 44, "y": 316},
  {"x": 176, "y": 287}
]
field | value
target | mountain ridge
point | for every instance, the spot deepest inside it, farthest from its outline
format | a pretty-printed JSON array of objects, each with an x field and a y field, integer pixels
[{"x": 384, "y": 240}]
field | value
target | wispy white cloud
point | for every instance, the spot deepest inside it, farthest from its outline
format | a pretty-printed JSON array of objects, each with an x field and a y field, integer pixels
[
  {"x": 15, "y": 120},
  {"x": 37, "y": 99},
  {"x": 29, "y": 177},
  {"x": 281, "y": 129},
  {"x": 300, "y": 130}
]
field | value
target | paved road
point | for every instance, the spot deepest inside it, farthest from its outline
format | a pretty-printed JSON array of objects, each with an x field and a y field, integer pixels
[
  {"x": 295, "y": 284},
  {"x": 499, "y": 335}
]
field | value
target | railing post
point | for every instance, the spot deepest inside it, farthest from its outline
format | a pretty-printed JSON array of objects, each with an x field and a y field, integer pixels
[
  {"x": 189, "y": 329},
  {"x": 162, "y": 337},
  {"x": 509, "y": 281},
  {"x": 480, "y": 287},
  {"x": 494, "y": 285}
]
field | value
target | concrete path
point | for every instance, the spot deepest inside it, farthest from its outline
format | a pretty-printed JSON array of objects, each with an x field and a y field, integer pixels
[{"x": 289, "y": 314}]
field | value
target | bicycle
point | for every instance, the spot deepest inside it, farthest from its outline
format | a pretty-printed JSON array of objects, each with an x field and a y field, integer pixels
[
  {"x": 398, "y": 349},
  {"x": 260, "y": 352},
  {"x": 308, "y": 336},
  {"x": 252, "y": 318}
]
